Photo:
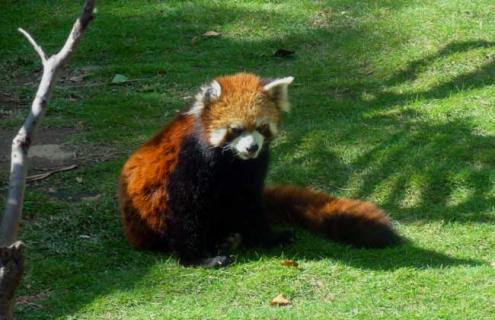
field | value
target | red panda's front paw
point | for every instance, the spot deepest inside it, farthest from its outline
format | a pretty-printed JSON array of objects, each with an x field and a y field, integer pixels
[{"x": 216, "y": 262}]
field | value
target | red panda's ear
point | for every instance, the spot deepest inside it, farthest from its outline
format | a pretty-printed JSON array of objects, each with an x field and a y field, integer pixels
[
  {"x": 207, "y": 94},
  {"x": 278, "y": 90}
]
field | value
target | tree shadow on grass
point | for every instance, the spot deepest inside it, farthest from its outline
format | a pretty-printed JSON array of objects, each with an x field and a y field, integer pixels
[
  {"x": 434, "y": 153},
  {"x": 310, "y": 247},
  {"x": 451, "y": 163},
  {"x": 447, "y": 164},
  {"x": 480, "y": 77}
]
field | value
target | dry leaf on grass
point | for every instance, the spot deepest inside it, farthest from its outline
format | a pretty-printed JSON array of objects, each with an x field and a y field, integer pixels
[
  {"x": 290, "y": 263},
  {"x": 283, "y": 53},
  {"x": 79, "y": 179},
  {"x": 91, "y": 198},
  {"x": 211, "y": 34},
  {"x": 280, "y": 301},
  {"x": 119, "y": 78},
  {"x": 77, "y": 78}
]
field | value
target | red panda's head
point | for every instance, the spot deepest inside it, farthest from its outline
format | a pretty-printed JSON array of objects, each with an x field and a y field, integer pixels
[{"x": 241, "y": 112}]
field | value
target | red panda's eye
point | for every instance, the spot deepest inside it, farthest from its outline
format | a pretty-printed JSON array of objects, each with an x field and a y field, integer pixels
[
  {"x": 236, "y": 131},
  {"x": 264, "y": 130}
]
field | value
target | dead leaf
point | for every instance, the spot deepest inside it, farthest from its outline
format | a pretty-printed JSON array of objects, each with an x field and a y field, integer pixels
[
  {"x": 283, "y": 53},
  {"x": 290, "y": 263},
  {"x": 79, "y": 179},
  {"x": 280, "y": 301},
  {"x": 119, "y": 79},
  {"x": 209, "y": 34},
  {"x": 91, "y": 198},
  {"x": 77, "y": 78}
]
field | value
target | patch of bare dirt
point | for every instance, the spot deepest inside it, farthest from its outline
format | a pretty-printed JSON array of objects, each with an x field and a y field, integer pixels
[
  {"x": 53, "y": 149},
  {"x": 41, "y": 157}
]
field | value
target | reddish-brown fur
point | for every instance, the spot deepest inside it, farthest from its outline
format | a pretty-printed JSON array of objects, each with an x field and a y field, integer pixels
[
  {"x": 143, "y": 183},
  {"x": 358, "y": 222},
  {"x": 144, "y": 179},
  {"x": 243, "y": 107}
]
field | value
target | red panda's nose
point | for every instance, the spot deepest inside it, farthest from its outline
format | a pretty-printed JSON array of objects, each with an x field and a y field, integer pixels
[{"x": 252, "y": 148}]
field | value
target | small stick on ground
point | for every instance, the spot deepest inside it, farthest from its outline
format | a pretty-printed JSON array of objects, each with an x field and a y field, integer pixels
[{"x": 44, "y": 175}]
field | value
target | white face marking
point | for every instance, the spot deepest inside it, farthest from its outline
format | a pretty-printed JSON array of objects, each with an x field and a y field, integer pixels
[
  {"x": 248, "y": 145},
  {"x": 217, "y": 136}
]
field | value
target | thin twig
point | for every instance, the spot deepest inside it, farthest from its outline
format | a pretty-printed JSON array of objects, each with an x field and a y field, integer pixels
[
  {"x": 44, "y": 175},
  {"x": 35, "y": 45}
]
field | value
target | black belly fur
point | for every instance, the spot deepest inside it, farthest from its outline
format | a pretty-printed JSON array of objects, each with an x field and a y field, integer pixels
[{"x": 212, "y": 194}]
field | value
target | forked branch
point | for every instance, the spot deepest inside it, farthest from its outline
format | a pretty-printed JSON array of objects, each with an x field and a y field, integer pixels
[
  {"x": 22, "y": 141},
  {"x": 36, "y": 47},
  {"x": 11, "y": 257}
]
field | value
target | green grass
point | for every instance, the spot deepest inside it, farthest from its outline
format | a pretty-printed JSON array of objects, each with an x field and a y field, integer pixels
[{"x": 393, "y": 102}]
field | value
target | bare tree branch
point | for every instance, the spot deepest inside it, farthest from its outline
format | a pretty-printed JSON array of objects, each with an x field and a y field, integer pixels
[
  {"x": 36, "y": 47},
  {"x": 75, "y": 35},
  {"x": 22, "y": 141},
  {"x": 11, "y": 257}
]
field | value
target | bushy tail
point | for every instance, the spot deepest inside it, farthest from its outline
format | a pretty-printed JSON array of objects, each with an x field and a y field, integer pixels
[{"x": 359, "y": 223}]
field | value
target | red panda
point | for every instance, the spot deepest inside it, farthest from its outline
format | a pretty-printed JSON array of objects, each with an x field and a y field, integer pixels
[{"x": 202, "y": 178}]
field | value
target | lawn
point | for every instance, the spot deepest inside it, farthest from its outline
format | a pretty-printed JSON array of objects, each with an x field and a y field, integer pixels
[{"x": 393, "y": 102}]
